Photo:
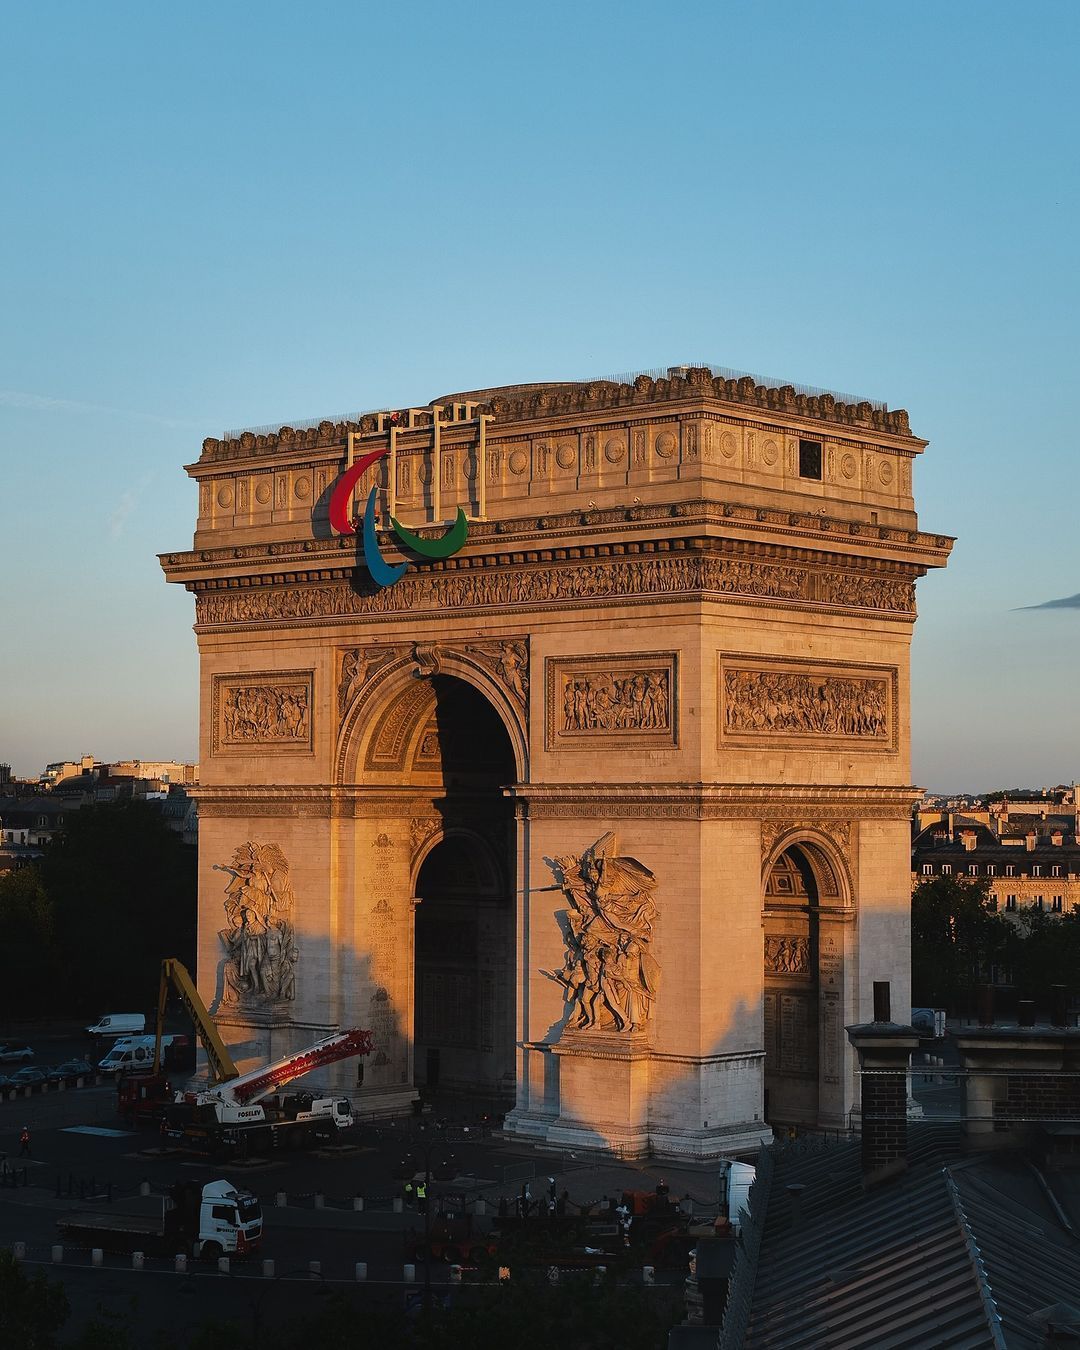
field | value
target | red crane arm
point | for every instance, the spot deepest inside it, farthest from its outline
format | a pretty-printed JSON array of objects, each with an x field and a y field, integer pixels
[{"x": 343, "y": 1046}]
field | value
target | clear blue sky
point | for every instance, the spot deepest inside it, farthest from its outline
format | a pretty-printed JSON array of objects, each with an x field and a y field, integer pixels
[{"x": 226, "y": 214}]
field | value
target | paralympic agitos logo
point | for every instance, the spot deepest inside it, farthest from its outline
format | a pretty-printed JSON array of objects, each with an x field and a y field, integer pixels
[{"x": 382, "y": 572}]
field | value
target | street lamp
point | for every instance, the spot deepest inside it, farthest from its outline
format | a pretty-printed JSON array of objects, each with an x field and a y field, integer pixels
[{"x": 444, "y": 1169}]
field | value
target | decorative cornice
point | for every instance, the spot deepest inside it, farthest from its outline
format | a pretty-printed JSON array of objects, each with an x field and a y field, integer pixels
[
  {"x": 713, "y": 801},
  {"x": 327, "y": 800},
  {"x": 809, "y": 530},
  {"x": 543, "y": 402}
]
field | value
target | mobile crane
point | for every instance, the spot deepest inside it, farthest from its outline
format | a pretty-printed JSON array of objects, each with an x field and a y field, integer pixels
[
  {"x": 144, "y": 1096},
  {"x": 230, "y": 1116},
  {"x": 237, "y": 1117}
]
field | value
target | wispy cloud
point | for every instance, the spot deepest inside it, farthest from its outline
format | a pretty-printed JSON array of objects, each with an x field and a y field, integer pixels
[
  {"x": 1069, "y": 602},
  {"x": 45, "y": 403},
  {"x": 126, "y": 503}
]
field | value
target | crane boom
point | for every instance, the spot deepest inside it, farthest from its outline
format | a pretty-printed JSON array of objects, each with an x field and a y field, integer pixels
[
  {"x": 251, "y": 1086},
  {"x": 174, "y": 973}
]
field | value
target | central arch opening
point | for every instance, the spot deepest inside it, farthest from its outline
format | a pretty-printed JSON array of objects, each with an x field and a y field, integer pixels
[{"x": 464, "y": 1002}]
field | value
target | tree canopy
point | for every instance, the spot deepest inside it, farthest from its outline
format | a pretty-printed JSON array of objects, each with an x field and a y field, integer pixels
[{"x": 88, "y": 925}]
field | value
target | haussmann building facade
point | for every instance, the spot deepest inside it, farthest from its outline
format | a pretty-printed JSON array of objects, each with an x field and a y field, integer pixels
[{"x": 593, "y": 791}]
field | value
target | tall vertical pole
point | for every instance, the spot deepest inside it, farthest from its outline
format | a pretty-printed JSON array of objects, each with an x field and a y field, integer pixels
[
  {"x": 481, "y": 468},
  {"x": 391, "y": 486},
  {"x": 436, "y": 473}
]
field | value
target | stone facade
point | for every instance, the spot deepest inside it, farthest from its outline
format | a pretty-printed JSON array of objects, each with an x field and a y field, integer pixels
[{"x": 674, "y": 650}]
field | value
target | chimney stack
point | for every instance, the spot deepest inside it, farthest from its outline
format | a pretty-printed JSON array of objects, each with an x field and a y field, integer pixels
[
  {"x": 884, "y": 1049},
  {"x": 1016, "y": 1079}
]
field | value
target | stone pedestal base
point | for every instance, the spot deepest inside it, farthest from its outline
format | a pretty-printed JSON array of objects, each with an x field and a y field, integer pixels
[
  {"x": 377, "y": 1102},
  {"x": 614, "y": 1094},
  {"x": 603, "y": 1093}
]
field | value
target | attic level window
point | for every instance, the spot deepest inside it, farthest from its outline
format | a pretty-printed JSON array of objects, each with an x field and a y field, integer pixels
[
  {"x": 810, "y": 460},
  {"x": 1010, "y": 870},
  {"x": 1055, "y": 871},
  {"x": 991, "y": 869},
  {"x": 1036, "y": 870},
  {"x": 946, "y": 869},
  {"x": 928, "y": 869}
]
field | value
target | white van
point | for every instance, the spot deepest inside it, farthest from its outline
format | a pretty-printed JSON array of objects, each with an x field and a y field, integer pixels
[
  {"x": 134, "y": 1053},
  {"x": 118, "y": 1024}
]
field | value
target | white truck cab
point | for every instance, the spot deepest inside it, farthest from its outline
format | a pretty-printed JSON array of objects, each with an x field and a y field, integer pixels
[{"x": 230, "y": 1220}]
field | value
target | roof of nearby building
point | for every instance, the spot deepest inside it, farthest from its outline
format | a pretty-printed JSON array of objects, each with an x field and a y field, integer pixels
[
  {"x": 26, "y": 810},
  {"x": 954, "y": 1251}
]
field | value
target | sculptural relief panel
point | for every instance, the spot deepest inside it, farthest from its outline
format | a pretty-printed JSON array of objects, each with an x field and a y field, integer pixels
[
  {"x": 797, "y": 704},
  {"x": 609, "y": 976},
  {"x": 787, "y": 954},
  {"x": 358, "y": 665},
  {"x": 259, "y": 940},
  {"x": 271, "y": 709},
  {"x": 622, "y": 702}
]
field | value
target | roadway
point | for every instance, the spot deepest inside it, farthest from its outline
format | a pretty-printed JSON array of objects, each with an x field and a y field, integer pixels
[{"x": 83, "y": 1158}]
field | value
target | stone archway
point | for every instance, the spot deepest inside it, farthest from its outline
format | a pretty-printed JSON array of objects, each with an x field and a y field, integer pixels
[
  {"x": 430, "y": 769},
  {"x": 807, "y": 912},
  {"x": 464, "y": 968}
]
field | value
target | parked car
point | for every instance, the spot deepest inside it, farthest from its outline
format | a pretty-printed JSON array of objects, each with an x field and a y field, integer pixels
[
  {"x": 12, "y": 1052},
  {"x": 29, "y": 1077},
  {"x": 5, "y": 1082},
  {"x": 72, "y": 1068}
]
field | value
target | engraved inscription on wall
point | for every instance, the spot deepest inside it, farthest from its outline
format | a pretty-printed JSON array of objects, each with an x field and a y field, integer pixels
[
  {"x": 384, "y": 1018},
  {"x": 271, "y": 708},
  {"x": 794, "y": 704},
  {"x": 623, "y": 702},
  {"x": 789, "y": 1030}
]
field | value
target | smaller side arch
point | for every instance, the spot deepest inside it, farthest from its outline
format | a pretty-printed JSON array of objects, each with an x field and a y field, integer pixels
[{"x": 830, "y": 867}]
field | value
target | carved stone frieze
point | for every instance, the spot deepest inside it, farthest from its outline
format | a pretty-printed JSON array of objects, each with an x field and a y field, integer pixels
[
  {"x": 546, "y": 585},
  {"x": 787, "y": 954},
  {"x": 609, "y": 974},
  {"x": 853, "y": 590},
  {"x": 794, "y": 702},
  {"x": 259, "y": 939},
  {"x": 628, "y": 700},
  {"x": 271, "y": 709}
]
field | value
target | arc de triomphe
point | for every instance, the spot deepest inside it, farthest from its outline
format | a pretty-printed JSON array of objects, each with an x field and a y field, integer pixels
[{"x": 607, "y": 811}]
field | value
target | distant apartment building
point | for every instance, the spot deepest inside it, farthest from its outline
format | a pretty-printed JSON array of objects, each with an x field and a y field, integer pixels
[
  {"x": 66, "y": 768},
  {"x": 166, "y": 770},
  {"x": 1030, "y": 857},
  {"x": 29, "y": 821}
]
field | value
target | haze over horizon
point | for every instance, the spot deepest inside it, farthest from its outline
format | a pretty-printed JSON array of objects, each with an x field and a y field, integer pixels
[{"x": 224, "y": 222}]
